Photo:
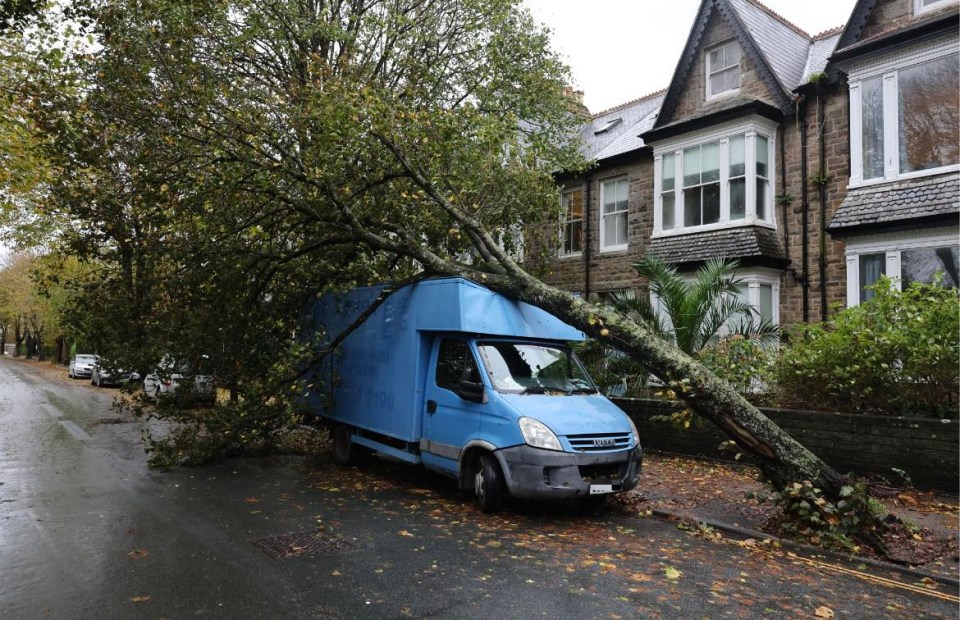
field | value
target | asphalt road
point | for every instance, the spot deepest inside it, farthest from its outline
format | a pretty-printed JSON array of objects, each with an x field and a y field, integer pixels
[{"x": 87, "y": 531}]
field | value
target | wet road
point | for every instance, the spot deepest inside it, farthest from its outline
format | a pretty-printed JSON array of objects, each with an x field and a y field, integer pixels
[{"x": 87, "y": 531}]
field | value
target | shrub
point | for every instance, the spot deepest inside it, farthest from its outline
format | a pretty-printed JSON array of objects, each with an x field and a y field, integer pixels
[
  {"x": 744, "y": 363},
  {"x": 896, "y": 354}
]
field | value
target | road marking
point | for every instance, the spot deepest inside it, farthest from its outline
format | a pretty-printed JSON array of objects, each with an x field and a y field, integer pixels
[
  {"x": 53, "y": 413},
  {"x": 76, "y": 431}
]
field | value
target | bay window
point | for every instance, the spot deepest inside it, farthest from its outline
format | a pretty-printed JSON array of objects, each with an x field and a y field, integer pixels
[
  {"x": 904, "y": 117},
  {"x": 613, "y": 216},
  {"x": 726, "y": 181},
  {"x": 933, "y": 256}
]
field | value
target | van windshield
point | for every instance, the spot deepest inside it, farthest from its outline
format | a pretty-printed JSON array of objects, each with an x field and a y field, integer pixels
[{"x": 526, "y": 368}]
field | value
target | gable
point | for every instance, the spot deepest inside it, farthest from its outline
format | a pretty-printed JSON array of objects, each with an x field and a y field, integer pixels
[{"x": 691, "y": 93}]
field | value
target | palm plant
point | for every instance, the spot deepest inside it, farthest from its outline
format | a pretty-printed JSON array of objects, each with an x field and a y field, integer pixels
[{"x": 694, "y": 313}]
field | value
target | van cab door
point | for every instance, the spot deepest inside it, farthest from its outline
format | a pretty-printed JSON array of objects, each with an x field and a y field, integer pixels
[{"x": 455, "y": 400}]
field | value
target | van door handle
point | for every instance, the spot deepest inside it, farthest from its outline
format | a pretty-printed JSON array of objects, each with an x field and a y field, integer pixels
[{"x": 431, "y": 406}]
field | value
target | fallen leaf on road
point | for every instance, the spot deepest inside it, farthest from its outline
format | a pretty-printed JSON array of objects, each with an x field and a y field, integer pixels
[
  {"x": 336, "y": 573},
  {"x": 672, "y": 573},
  {"x": 405, "y": 534},
  {"x": 823, "y": 612},
  {"x": 137, "y": 554},
  {"x": 139, "y": 599},
  {"x": 251, "y": 500}
]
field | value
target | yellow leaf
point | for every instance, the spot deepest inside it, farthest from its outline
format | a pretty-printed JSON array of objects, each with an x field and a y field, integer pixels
[
  {"x": 672, "y": 573},
  {"x": 823, "y": 612},
  {"x": 139, "y": 599},
  {"x": 405, "y": 534}
]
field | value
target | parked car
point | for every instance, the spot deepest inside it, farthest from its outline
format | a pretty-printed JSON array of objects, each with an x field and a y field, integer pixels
[
  {"x": 81, "y": 366},
  {"x": 103, "y": 374},
  {"x": 170, "y": 374}
]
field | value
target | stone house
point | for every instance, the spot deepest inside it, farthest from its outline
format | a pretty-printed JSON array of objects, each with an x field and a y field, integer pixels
[{"x": 749, "y": 154}]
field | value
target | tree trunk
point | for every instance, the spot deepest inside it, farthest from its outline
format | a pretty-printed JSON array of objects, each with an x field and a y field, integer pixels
[{"x": 781, "y": 458}]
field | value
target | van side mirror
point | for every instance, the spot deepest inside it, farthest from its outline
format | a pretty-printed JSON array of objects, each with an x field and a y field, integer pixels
[{"x": 471, "y": 391}]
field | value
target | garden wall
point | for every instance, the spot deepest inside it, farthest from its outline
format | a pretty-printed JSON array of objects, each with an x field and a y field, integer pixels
[{"x": 927, "y": 450}]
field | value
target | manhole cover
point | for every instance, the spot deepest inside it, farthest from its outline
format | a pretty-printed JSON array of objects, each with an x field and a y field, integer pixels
[{"x": 304, "y": 543}]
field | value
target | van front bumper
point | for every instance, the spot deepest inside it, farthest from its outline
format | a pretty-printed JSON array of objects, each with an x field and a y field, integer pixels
[{"x": 534, "y": 473}]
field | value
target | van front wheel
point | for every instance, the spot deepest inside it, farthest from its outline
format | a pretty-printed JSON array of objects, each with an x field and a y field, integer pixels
[{"x": 488, "y": 484}]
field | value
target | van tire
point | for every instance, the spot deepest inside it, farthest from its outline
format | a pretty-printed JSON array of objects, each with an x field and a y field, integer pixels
[
  {"x": 343, "y": 449},
  {"x": 488, "y": 485}
]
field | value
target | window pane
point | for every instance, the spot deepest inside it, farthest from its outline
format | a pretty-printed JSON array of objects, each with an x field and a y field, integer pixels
[
  {"x": 668, "y": 203},
  {"x": 716, "y": 59},
  {"x": 710, "y": 162},
  {"x": 609, "y": 196},
  {"x": 691, "y": 207},
  {"x": 872, "y": 266},
  {"x": 737, "y": 166},
  {"x": 929, "y": 114},
  {"x": 691, "y": 166},
  {"x": 621, "y": 224},
  {"x": 762, "y": 156},
  {"x": 762, "y": 199},
  {"x": 732, "y": 78},
  {"x": 455, "y": 362},
  {"x": 871, "y": 105},
  {"x": 669, "y": 172},
  {"x": 766, "y": 302},
  {"x": 711, "y": 203},
  {"x": 733, "y": 53},
  {"x": 609, "y": 230},
  {"x": 738, "y": 199},
  {"x": 928, "y": 264},
  {"x": 573, "y": 205},
  {"x": 622, "y": 190}
]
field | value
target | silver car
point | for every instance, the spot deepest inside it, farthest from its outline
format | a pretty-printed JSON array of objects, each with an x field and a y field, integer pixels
[
  {"x": 81, "y": 366},
  {"x": 103, "y": 374},
  {"x": 169, "y": 374}
]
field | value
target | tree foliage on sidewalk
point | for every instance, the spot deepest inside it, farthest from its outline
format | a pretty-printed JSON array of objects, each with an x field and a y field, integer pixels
[{"x": 228, "y": 159}]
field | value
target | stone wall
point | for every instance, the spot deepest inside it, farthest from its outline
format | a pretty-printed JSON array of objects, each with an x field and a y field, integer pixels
[{"x": 927, "y": 450}]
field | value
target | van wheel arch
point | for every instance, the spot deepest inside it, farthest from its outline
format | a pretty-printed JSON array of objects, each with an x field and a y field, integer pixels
[{"x": 470, "y": 462}]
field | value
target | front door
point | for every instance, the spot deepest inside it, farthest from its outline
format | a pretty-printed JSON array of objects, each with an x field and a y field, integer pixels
[{"x": 449, "y": 420}]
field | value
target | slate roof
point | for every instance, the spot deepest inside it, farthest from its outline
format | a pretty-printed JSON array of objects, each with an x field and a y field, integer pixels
[
  {"x": 821, "y": 48},
  {"x": 636, "y": 117},
  {"x": 751, "y": 242},
  {"x": 898, "y": 203},
  {"x": 784, "y": 45}
]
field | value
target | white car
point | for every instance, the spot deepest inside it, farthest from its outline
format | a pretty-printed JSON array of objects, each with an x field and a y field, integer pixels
[
  {"x": 168, "y": 376},
  {"x": 81, "y": 366}
]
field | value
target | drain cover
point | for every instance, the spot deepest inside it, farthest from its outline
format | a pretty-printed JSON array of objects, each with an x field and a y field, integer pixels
[{"x": 304, "y": 543}]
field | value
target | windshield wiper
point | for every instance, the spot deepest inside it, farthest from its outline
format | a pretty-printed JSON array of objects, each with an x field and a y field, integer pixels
[
  {"x": 535, "y": 389},
  {"x": 582, "y": 390}
]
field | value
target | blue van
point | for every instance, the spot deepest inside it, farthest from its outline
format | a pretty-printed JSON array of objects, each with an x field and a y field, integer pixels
[{"x": 450, "y": 375}]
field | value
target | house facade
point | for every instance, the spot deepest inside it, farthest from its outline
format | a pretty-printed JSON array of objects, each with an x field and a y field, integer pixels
[{"x": 755, "y": 152}]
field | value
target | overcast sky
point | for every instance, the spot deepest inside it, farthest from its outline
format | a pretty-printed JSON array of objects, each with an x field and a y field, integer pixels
[{"x": 620, "y": 50}]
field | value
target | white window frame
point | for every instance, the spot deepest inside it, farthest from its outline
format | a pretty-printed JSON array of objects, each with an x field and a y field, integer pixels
[
  {"x": 892, "y": 245},
  {"x": 604, "y": 246},
  {"x": 888, "y": 68},
  {"x": 564, "y": 220},
  {"x": 751, "y": 128},
  {"x": 710, "y": 70},
  {"x": 918, "y": 6}
]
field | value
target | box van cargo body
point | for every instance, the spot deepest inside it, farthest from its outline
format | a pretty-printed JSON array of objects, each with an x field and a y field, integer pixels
[{"x": 450, "y": 375}]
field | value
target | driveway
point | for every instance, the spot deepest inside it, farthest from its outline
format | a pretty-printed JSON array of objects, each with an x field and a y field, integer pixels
[{"x": 87, "y": 531}]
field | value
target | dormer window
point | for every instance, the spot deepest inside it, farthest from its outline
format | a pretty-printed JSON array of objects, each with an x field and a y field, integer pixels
[
  {"x": 723, "y": 69},
  {"x": 610, "y": 124}
]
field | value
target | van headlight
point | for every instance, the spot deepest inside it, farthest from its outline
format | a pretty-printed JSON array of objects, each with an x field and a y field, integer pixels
[
  {"x": 633, "y": 428},
  {"x": 536, "y": 434}
]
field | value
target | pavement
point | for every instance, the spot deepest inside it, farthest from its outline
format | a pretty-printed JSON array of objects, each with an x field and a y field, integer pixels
[{"x": 716, "y": 494}]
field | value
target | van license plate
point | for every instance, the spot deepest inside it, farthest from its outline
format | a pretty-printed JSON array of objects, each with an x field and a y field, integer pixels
[{"x": 600, "y": 489}]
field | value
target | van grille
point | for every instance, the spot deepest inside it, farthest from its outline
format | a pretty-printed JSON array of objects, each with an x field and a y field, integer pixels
[{"x": 600, "y": 442}]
